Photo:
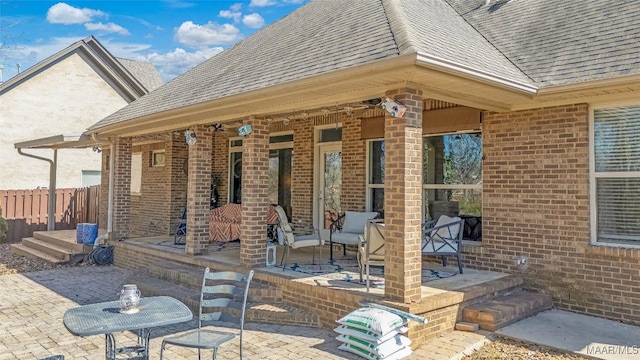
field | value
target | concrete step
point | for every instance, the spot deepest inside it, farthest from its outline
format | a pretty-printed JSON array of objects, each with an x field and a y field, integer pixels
[
  {"x": 257, "y": 309},
  {"x": 63, "y": 239},
  {"x": 502, "y": 311},
  {"x": 22, "y": 250},
  {"x": 62, "y": 253},
  {"x": 190, "y": 276}
]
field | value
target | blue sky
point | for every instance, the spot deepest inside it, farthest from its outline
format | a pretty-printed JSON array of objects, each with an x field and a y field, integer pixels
[{"x": 174, "y": 35}]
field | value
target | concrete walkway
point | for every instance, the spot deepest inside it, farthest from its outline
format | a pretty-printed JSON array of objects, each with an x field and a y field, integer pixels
[
  {"x": 32, "y": 306},
  {"x": 581, "y": 334}
]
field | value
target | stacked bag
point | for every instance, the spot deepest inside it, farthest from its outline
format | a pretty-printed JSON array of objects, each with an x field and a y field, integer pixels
[{"x": 374, "y": 334}]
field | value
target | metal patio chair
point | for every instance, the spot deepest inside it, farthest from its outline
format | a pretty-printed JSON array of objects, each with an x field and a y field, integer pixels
[
  {"x": 371, "y": 248},
  {"x": 180, "y": 234},
  {"x": 223, "y": 298},
  {"x": 292, "y": 241},
  {"x": 443, "y": 237}
]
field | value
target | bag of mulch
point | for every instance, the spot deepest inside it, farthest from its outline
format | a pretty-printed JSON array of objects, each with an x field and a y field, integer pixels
[
  {"x": 378, "y": 321},
  {"x": 402, "y": 353},
  {"x": 383, "y": 350},
  {"x": 369, "y": 336}
]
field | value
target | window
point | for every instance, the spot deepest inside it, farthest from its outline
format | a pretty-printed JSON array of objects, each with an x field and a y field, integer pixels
[
  {"x": 90, "y": 178},
  {"x": 451, "y": 175},
  {"x": 375, "y": 178},
  {"x": 280, "y": 167},
  {"x": 136, "y": 173},
  {"x": 157, "y": 158},
  {"x": 615, "y": 175}
]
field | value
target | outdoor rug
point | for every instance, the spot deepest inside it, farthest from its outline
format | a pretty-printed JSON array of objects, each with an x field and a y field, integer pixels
[
  {"x": 214, "y": 247},
  {"x": 347, "y": 270}
]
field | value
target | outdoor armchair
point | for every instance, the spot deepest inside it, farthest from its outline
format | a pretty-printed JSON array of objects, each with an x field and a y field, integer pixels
[
  {"x": 291, "y": 241},
  {"x": 347, "y": 228},
  {"x": 443, "y": 238},
  {"x": 371, "y": 247}
]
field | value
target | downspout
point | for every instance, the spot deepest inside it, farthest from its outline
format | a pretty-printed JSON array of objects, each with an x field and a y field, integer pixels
[
  {"x": 51, "y": 204},
  {"x": 112, "y": 162}
]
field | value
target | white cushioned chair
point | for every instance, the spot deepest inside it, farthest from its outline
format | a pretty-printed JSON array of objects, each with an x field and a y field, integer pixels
[
  {"x": 347, "y": 228},
  {"x": 443, "y": 237},
  {"x": 292, "y": 241},
  {"x": 371, "y": 247}
]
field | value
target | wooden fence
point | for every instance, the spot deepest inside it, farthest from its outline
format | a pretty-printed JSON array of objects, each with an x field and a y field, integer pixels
[{"x": 26, "y": 210}]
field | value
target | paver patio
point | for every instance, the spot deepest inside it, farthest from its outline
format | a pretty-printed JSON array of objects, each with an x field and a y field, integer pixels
[{"x": 32, "y": 306}]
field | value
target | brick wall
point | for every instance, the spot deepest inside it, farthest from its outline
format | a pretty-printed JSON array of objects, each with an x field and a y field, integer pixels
[
  {"x": 104, "y": 190},
  {"x": 353, "y": 165},
  {"x": 220, "y": 164},
  {"x": 199, "y": 190},
  {"x": 151, "y": 210},
  {"x": 122, "y": 188},
  {"x": 176, "y": 154},
  {"x": 302, "y": 174},
  {"x": 536, "y": 204}
]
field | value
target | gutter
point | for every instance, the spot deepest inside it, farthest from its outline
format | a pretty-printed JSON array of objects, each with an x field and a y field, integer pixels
[
  {"x": 457, "y": 69},
  {"x": 112, "y": 161},
  {"x": 51, "y": 204}
]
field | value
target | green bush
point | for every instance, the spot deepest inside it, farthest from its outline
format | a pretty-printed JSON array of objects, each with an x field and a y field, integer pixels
[{"x": 4, "y": 227}]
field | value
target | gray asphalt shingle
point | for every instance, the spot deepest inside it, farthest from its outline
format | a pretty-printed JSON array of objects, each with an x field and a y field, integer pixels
[
  {"x": 538, "y": 42},
  {"x": 145, "y": 72}
]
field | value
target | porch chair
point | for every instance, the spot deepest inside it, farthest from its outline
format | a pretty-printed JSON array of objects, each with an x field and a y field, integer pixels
[
  {"x": 292, "y": 241},
  {"x": 347, "y": 228},
  {"x": 180, "y": 235},
  {"x": 443, "y": 237},
  {"x": 223, "y": 296},
  {"x": 371, "y": 247}
]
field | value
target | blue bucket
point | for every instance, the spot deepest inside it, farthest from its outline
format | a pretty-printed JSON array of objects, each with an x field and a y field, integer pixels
[
  {"x": 89, "y": 233},
  {"x": 79, "y": 233}
]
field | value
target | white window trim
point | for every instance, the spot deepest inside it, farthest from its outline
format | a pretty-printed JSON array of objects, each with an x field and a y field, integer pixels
[{"x": 593, "y": 175}]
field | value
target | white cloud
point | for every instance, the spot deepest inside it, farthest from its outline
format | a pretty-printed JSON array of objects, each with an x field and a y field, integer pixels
[
  {"x": 235, "y": 7},
  {"x": 178, "y": 61},
  {"x": 200, "y": 36},
  {"x": 262, "y": 3},
  {"x": 229, "y": 14},
  {"x": 108, "y": 27},
  {"x": 254, "y": 20},
  {"x": 62, "y": 13},
  {"x": 293, "y": 1}
]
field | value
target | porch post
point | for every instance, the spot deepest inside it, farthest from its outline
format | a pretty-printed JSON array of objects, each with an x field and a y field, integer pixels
[
  {"x": 199, "y": 190},
  {"x": 121, "y": 188},
  {"x": 402, "y": 189},
  {"x": 255, "y": 177}
]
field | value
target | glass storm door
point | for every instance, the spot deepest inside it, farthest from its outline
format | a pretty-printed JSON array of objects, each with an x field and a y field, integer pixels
[{"x": 329, "y": 187}]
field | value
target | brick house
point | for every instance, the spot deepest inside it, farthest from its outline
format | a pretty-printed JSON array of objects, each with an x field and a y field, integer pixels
[{"x": 537, "y": 102}]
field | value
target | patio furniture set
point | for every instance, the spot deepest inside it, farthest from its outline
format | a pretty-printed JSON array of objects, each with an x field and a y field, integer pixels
[{"x": 221, "y": 295}]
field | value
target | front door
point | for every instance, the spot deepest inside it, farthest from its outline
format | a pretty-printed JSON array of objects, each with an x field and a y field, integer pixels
[{"x": 328, "y": 187}]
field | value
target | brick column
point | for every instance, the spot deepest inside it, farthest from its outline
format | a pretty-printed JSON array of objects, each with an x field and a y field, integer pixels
[
  {"x": 255, "y": 177},
  {"x": 199, "y": 190},
  {"x": 122, "y": 189},
  {"x": 176, "y": 153},
  {"x": 402, "y": 198}
]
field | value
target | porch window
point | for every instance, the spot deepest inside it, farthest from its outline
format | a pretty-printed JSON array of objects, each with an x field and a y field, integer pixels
[
  {"x": 615, "y": 175},
  {"x": 452, "y": 179},
  {"x": 375, "y": 178},
  {"x": 280, "y": 166}
]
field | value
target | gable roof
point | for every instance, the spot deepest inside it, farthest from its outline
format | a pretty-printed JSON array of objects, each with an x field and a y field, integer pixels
[
  {"x": 117, "y": 75},
  {"x": 144, "y": 72},
  {"x": 326, "y": 36},
  {"x": 561, "y": 42}
]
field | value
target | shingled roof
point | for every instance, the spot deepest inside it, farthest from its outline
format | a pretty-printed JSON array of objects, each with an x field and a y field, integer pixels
[
  {"x": 534, "y": 42},
  {"x": 145, "y": 72},
  {"x": 561, "y": 42}
]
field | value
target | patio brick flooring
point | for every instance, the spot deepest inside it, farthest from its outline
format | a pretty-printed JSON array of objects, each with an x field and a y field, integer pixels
[{"x": 32, "y": 306}]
